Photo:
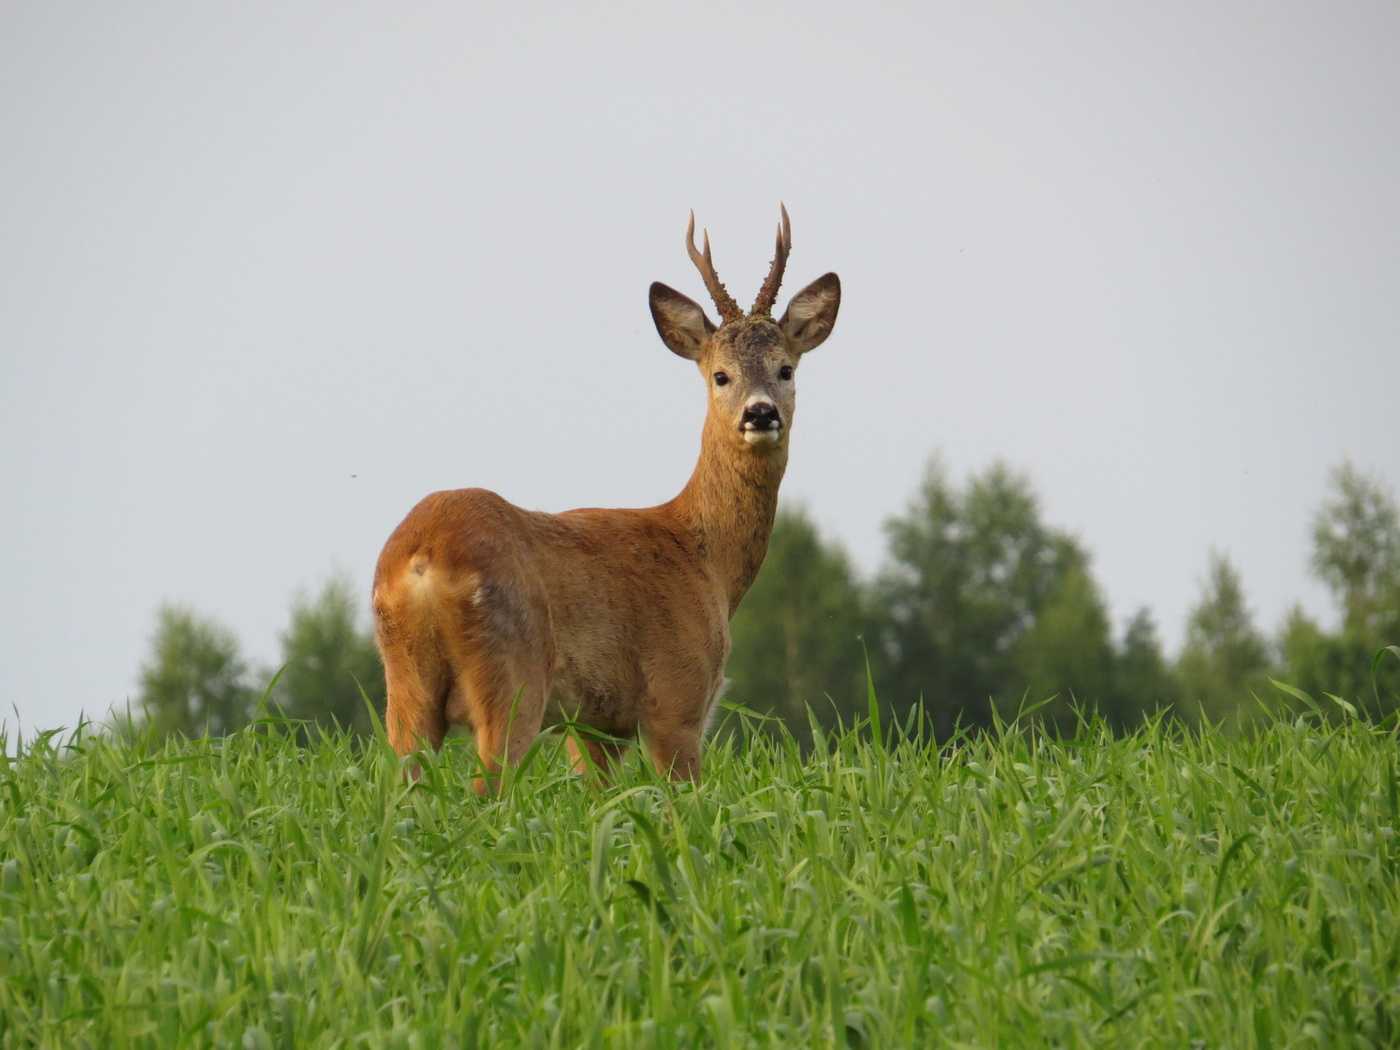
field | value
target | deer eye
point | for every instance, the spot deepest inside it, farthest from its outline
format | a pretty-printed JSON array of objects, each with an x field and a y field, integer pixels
[
  {"x": 785, "y": 372},
  {"x": 721, "y": 378}
]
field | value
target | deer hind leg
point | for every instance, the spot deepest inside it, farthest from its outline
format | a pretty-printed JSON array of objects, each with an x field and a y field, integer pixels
[{"x": 414, "y": 714}]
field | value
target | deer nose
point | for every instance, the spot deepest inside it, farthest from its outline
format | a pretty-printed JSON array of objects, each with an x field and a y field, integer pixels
[{"x": 761, "y": 415}]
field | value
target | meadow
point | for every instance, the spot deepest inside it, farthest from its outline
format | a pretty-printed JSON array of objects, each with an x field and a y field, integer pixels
[{"x": 1165, "y": 888}]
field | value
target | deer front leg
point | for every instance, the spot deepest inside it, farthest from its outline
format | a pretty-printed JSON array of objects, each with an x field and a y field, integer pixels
[
  {"x": 675, "y": 751},
  {"x": 674, "y": 717},
  {"x": 507, "y": 715},
  {"x": 588, "y": 753}
]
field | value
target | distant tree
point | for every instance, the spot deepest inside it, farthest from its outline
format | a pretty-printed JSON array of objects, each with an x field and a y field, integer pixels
[
  {"x": 1143, "y": 680},
  {"x": 1225, "y": 658},
  {"x": 1356, "y": 553},
  {"x": 195, "y": 681},
  {"x": 969, "y": 572},
  {"x": 325, "y": 652},
  {"x": 917, "y": 597},
  {"x": 797, "y": 634},
  {"x": 1318, "y": 661},
  {"x": 1068, "y": 650}
]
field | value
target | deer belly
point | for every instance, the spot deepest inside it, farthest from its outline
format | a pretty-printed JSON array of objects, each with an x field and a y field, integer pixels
[{"x": 607, "y": 702}]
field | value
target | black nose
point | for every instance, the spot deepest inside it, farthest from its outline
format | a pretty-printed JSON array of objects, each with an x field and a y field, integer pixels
[{"x": 762, "y": 415}]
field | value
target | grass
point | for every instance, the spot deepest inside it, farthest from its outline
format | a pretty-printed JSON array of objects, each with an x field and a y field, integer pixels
[{"x": 1161, "y": 889}]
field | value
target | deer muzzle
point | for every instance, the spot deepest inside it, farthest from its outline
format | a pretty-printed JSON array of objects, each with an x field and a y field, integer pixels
[{"x": 761, "y": 423}]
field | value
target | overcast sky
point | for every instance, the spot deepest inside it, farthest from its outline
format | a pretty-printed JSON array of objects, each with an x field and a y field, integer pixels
[{"x": 270, "y": 273}]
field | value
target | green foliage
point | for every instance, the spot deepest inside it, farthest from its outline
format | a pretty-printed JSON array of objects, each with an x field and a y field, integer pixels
[
  {"x": 797, "y": 634},
  {"x": 325, "y": 653},
  {"x": 195, "y": 680},
  {"x": 1143, "y": 681},
  {"x": 1225, "y": 657},
  {"x": 1067, "y": 651},
  {"x": 970, "y": 573},
  {"x": 1159, "y": 889},
  {"x": 1321, "y": 662},
  {"x": 1356, "y": 552}
]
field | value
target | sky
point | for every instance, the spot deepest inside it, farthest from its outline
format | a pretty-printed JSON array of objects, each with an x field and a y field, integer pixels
[{"x": 269, "y": 273}]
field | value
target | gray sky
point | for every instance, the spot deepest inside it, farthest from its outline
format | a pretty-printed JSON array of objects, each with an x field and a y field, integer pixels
[{"x": 268, "y": 274}]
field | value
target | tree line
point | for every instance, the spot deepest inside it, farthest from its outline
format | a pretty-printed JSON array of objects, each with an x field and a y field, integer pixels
[{"x": 980, "y": 609}]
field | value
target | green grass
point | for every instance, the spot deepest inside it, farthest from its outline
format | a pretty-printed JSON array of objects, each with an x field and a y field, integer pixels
[{"x": 1156, "y": 890}]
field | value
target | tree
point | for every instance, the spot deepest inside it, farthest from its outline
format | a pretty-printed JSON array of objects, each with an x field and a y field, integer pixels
[
  {"x": 969, "y": 572},
  {"x": 1224, "y": 658},
  {"x": 325, "y": 653},
  {"x": 796, "y": 636},
  {"x": 195, "y": 681},
  {"x": 1356, "y": 553},
  {"x": 1144, "y": 682},
  {"x": 1068, "y": 649},
  {"x": 1319, "y": 662}
]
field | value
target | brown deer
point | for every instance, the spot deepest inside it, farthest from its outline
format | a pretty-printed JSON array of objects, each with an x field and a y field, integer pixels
[{"x": 500, "y": 618}]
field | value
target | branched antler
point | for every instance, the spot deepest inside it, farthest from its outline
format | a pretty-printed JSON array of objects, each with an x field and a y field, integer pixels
[
  {"x": 724, "y": 302},
  {"x": 768, "y": 293}
]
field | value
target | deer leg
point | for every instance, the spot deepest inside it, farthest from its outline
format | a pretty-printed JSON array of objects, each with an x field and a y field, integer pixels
[
  {"x": 413, "y": 715},
  {"x": 675, "y": 713},
  {"x": 675, "y": 752},
  {"x": 587, "y": 752},
  {"x": 507, "y": 710}
]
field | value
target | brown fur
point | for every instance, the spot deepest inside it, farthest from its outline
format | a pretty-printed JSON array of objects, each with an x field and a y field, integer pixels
[{"x": 504, "y": 619}]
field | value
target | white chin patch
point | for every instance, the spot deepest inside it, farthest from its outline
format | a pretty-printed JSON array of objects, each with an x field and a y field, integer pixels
[{"x": 763, "y": 437}]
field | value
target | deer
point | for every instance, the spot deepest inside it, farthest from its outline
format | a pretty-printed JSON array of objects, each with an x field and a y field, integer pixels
[{"x": 501, "y": 620}]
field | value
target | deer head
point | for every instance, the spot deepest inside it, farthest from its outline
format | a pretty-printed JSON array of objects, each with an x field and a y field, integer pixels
[{"x": 748, "y": 360}]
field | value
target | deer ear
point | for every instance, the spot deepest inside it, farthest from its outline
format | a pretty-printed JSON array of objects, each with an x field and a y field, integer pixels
[
  {"x": 811, "y": 314},
  {"x": 680, "y": 321}
]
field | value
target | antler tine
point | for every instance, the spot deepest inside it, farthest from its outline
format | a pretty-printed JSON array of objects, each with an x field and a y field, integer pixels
[
  {"x": 768, "y": 293},
  {"x": 728, "y": 309}
]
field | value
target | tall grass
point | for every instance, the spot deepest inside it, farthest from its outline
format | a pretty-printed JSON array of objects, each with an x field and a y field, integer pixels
[{"x": 1160, "y": 889}]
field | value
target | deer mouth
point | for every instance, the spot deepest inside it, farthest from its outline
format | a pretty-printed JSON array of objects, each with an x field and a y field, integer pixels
[{"x": 766, "y": 433}]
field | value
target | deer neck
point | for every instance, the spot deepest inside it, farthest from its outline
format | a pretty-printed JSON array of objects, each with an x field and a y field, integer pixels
[{"x": 729, "y": 505}]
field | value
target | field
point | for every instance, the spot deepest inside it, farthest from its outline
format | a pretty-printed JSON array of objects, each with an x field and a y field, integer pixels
[{"x": 1163, "y": 889}]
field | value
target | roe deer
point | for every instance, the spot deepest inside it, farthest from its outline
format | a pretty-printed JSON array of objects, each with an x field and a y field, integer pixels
[{"x": 500, "y": 618}]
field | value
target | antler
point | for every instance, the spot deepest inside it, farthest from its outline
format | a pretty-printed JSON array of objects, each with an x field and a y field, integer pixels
[
  {"x": 768, "y": 293},
  {"x": 724, "y": 302}
]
